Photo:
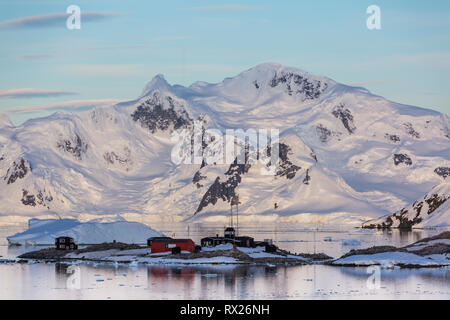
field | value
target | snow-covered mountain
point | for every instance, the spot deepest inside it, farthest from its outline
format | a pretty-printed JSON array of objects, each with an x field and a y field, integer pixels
[
  {"x": 346, "y": 155},
  {"x": 4, "y": 120},
  {"x": 430, "y": 211}
]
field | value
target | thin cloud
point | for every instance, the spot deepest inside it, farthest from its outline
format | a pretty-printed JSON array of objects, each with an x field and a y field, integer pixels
[
  {"x": 33, "y": 93},
  {"x": 75, "y": 105},
  {"x": 112, "y": 47},
  {"x": 428, "y": 59},
  {"x": 170, "y": 38},
  {"x": 374, "y": 82},
  {"x": 35, "y": 56},
  {"x": 441, "y": 59},
  {"x": 54, "y": 20},
  {"x": 225, "y": 7},
  {"x": 101, "y": 70}
]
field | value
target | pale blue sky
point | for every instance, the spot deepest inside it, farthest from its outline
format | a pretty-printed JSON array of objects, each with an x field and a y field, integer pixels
[{"x": 123, "y": 44}]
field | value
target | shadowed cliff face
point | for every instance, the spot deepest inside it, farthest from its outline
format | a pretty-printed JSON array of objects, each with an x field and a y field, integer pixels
[
  {"x": 160, "y": 113},
  {"x": 76, "y": 147},
  {"x": 42, "y": 198},
  {"x": 18, "y": 170},
  {"x": 345, "y": 115},
  {"x": 402, "y": 158},
  {"x": 407, "y": 217},
  {"x": 226, "y": 190},
  {"x": 297, "y": 84},
  {"x": 444, "y": 172},
  {"x": 287, "y": 168}
]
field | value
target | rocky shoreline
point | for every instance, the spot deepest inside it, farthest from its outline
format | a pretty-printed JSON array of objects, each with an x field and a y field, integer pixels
[
  {"x": 429, "y": 252},
  {"x": 131, "y": 253},
  {"x": 432, "y": 252}
]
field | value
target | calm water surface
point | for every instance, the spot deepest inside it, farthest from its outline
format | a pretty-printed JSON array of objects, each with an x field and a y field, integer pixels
[{"x": 104, "y": 281}]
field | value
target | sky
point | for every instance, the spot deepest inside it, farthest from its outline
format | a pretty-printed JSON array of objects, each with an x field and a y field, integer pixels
[{"x": 46, "y": 67}]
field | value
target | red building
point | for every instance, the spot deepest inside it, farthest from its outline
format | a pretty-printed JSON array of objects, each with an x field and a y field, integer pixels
[{"x": 166, "y": 245}]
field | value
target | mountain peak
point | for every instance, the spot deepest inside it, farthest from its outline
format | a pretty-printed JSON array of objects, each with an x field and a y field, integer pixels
[
  {"x": 273, "y": 67},
  {"x": 267, "y": 81},
  {"x": 4, "y": 120},
  {"x": 158, "y": 82},
  {"x": 268, "y": 65}
]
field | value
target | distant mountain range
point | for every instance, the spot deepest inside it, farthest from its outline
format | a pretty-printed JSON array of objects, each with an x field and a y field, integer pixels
[{"x": 346, "y": 155}]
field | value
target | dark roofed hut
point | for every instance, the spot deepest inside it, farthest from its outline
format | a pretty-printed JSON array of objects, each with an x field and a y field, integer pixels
[
  {"x": 65, "y": 243},
  {"x": 214, "y": 241},
  {"x": 245, "y": 241},
  {"x": 150, "y": 240},
  {"x": 229, "y": 237},
  {"x": 229, "y": 233}
]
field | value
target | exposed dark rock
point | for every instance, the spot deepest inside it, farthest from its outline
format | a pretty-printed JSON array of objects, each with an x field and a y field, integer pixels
[
  {"x": 443, "y": 235},
  {"x": 286, "y": 167},
  {"x": 45, "y": 254},
  {"x": 216, "y": 191},
  {"x": 323, "y": 133},
  {"x": 237, "y": 169},
  {"x": 435, "y": 201},
  {"x": 77, "y": 147},
  {"x": 345, "y": 116},
  {"x": 54, "y": 254},
  {"x": 410, "y": 130},
  {"x": 109, "y": 246},
  {"x": 112, "y": 157},
  {"x": 417, "y": 207},
  {"x": 204, "y": 138},
  {"x": 225, "y": 190},
  {"x": 438, "y": 248},
  {"x": 405, "y": 219},
  {"x": 424, "y": 247},
  {"x": 41, "y": 198},
  {"x": 279, "y": 258},
  {"x": 402, "y": 158},
  {"x": 435, "y": 248},
  {"x": 371, "y": 250},
  {"x": 392, "y": 137},
  {"x": 307, "y": 177},
  {"x": 315, "y": 256},
  {"x": 28, "y": 199},
  {"x": 406, "y": 223},
  {"x": 295, "y": 83},
  {"x": 203, "y": 163},
  {"x": 444, "y": 172},
  {"x": 256, "y": 84},
  {"x": 197, "y": 178},
  {"x": 18, "y": 170},
  {"x": 158, "y": 113}
]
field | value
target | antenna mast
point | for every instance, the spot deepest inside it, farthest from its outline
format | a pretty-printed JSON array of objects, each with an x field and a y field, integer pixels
[
  {"x": 237, "y": 218},
  {"x": 235, "y": 202},
  {"x": 231, "y": 215}
]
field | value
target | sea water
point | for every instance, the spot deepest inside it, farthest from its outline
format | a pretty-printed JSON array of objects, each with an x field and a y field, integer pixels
[{"x": 120, "y": 281}]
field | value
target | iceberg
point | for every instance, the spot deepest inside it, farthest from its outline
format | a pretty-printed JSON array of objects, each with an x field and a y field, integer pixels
[{"x": 44, "y": 232}]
